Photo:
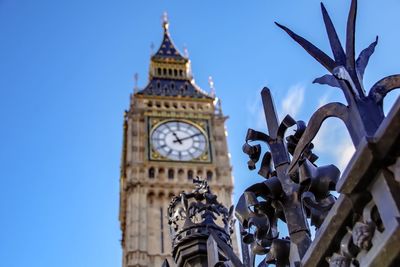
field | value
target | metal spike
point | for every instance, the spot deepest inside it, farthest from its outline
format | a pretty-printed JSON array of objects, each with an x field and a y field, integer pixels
[
  {"x": 314, "y": 51},
  {"x": 334, "y": 41},
  {"x": 350, "y": 35}
]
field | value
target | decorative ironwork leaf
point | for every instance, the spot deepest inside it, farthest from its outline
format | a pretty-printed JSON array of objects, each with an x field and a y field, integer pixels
[
  {"x": 363, "y": 58},
  {"x": 328, "y": 80}
]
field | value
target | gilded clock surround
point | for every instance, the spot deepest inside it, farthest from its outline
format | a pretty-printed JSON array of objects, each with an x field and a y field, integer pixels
[{"x": 201, "y": 125}]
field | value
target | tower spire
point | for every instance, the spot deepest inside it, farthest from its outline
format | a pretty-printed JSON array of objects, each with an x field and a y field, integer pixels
[{"x": 170, "y": 72}]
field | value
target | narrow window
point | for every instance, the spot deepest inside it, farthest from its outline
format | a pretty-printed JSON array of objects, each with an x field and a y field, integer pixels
[
  {"x": 151, "y": 173},
  {"x": 209, "y": 175},
  {"x": 170, "y": 174},
  {"x": 159, "y": 71},
  {"x": 175, "y": 73},
  {"x": 190, "y": 175}
]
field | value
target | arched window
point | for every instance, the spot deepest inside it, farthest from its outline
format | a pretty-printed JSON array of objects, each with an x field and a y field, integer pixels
[
  {"x": 190, "y": 175},
  {"x": 175, "y": 72},
  {"x": 164, "y": 71},
  {"x": 209, "y": 175},
  {"x": 181, "y": 73},
  {"x": 170, "y": 174},
  {"x": 151, "y": 173},
  {"x": 159, "y": 71},
  {"x": 169, "y": 72}
]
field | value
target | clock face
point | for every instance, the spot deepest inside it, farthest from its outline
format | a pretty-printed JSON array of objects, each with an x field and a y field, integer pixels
[{"x": 178, "y": 140}]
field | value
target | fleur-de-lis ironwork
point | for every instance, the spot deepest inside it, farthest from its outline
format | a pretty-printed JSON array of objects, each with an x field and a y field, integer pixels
[
  {"x": 296, "y": 189},
  {"x": 364, "y": 111},
  {"x": 290, "y": 198}
]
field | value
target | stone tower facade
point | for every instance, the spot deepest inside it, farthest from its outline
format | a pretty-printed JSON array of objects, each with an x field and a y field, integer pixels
[{"x": 173, "y": 132}]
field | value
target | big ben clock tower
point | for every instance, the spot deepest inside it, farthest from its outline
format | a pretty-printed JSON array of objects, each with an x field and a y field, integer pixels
[{"x": 173, "y": 132}]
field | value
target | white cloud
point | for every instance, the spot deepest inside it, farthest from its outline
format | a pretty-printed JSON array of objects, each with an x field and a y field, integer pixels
[
  {"x": 324, "y": 99},
  {"x": 256, "y": 118},
  {"x": 290, "y": 104},
  {"x": 333, "y": 144},
  {"x": 293, "y": 101},
  {"x": 343, "y": 152}
]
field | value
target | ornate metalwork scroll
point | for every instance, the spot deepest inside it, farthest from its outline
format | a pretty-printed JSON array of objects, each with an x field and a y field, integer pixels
[
  {"x": 291, "y": 198},
  {"x": 296, "y": 190}
]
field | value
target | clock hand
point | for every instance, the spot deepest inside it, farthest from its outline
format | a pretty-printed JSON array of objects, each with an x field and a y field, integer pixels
[
  {"x": 187, "y": 137},
  {"x": 177, "y": 138}
]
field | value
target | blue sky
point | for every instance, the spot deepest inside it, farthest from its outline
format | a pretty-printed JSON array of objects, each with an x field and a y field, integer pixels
[{"x": 66, "y": 74}]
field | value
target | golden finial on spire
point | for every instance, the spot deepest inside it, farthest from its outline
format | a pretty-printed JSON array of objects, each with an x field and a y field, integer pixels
[{"x": 165, "y": 22}]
